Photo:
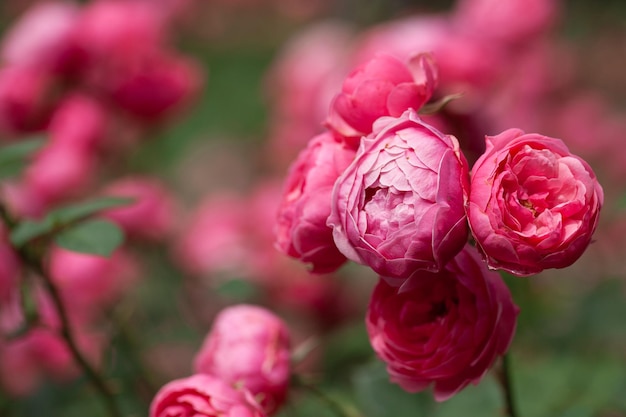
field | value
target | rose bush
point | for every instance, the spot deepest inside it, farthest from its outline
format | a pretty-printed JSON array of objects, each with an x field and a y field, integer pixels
[
  {"x": 249, "y": 346},
  {"x": 399, "y": 206},
  {"x": 533, "y": 205},
  {"x": 203, "y": 396},
  {"x": 301, "y": 230},
  {"x": 443, "y": 329}
]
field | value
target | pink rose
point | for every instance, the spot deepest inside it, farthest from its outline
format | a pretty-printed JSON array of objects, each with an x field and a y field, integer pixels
[
  {"x": 249, "y": 345},
  {"x": 203, "y": 396},
  {"x": 443, "y": 329},
  {"x": 151, "y": 215},
  {"x": 80, "y": 123},
  {"x": 399, "y": 207},
  {"x": 301, "y": 230},
  {"x": 384, "y": 86},
  {"x": 532, "y": 205}
]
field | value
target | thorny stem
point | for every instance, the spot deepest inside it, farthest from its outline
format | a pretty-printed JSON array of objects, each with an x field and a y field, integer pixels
[
  {"x": 33, "y": 260},
  {"x": 506, "y": 383}
]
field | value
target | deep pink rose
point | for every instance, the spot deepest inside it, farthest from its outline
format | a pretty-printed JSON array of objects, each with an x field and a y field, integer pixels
[
  {"x": 203, "y": 396},
  {"x": 79, "y": 122},
  {"x": 249, "y": 345},
  {"x": 443, "y": 329},
  {"x": 383, "y": 86},
  {"x": 301, "y": 230},
  {"x": 399, "y": 207},
  {"x": 533, "y": 205}
]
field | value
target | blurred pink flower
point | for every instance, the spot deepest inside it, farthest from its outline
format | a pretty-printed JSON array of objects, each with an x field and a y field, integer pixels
[
  {"x": 384, "y": 86},
  {"x": 203, "y": 396},
  {"x": 533, "y": 205},
  {"x": 152, "y": 214},
  {"x": 443, "y": 329},
  {"x": 301, "y": 230},
  {"x": 399, "y": 207},
  {"x": 249, "y": 346},
  {"x": 10, "y": 269},
  {"x": 79, "y": 122}
]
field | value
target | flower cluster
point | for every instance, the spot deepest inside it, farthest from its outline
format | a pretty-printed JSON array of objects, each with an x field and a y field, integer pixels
[
  {"x": 242, "y": 369},
  {"x": 386, "y": 189}
]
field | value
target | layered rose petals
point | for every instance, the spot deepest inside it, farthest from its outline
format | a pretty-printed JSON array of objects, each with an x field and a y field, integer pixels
[
  {"x": 399, "y": 206},
  {"x": 442, "y": 329},
  {"x": 533, "y": 205}
]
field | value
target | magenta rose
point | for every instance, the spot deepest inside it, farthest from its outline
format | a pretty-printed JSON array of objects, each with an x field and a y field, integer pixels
[
  {"x": 301, "y": 230},
  {"x": 203, "y": 396},
  {"x": 399, "y": 206},
  {"x": 442, "y": 329},
  {"x": 383, "y": 86},
  {"x": 532, "y": 205},
  {"x": 249, "y": 346}
]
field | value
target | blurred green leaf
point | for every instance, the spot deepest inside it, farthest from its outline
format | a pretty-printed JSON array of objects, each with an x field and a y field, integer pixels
[
  {"x": 237, "y": 290},
  {"x": 97, "y": 237},
  {"x": 61, "y": 217},
  {"x": 14, "y": 157}
]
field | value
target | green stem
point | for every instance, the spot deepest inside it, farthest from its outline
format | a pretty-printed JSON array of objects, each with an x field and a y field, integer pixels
[
  {"x": 340, "y": 408},
  {"x": 32, "y": 257},
  {"x": 506, "y": 383}
]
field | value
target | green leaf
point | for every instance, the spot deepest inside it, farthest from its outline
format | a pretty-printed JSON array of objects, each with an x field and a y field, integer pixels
[
  {"x": 62, "y": 217},
  {"x": 14, "y": 157},
  {"x": 96, "y": 237}
]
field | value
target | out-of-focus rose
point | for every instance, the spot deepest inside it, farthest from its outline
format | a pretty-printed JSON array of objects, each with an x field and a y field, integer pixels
[
  {"x": 151, "y": 215},
  {"x": 301, "y": 230},
  {"x": 79, "y": 122},
  {"x": 399, "y": 207},
  {"x": 10, "y": 270},
  {"x": 249, "y": 345},
  {"x": 384, "y": 86},
  {"x": 443, "y": 329},
  {"x": 533, "y": 205},
  {"x": 512, "y": 21},
  {"x": 203, "y": 396}
]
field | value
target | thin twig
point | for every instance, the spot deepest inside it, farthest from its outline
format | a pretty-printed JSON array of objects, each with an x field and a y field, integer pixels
[
  {"x": 506, "y": 383},
  {"x": 341, "y": 409}
]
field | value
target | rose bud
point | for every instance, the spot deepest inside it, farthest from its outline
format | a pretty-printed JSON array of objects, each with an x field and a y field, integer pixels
[
  {"x": 443, "y": 329},
  {"x": 383, "y": 86},
  {"x": 203, "y": 396},
  {"x": 301, "y": 230},
  {"x": 249, "y": 346},
  {"x": 399, "y": 206},
  {"x": 533, "y": 205}
]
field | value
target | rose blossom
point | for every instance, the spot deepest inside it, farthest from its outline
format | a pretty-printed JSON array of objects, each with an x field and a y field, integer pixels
[
  {"x": 532, "y": 205},
  {"x": 399, "y": 207},
  {"x": 249, "y": 345},
  {"x": 444, "y": 329},
  {"x": 203, "y": 396},
  {"x": 301, "y": 230},
  {"x": 383, "y": 86}
]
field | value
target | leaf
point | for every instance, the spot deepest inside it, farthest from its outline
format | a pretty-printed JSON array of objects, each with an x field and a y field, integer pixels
[
  {"x": 62, "y": 217},
  {"x": 14, "y": 157},
  {"x": 436, "y": 106},
  {"x": 96, "y": 237}
]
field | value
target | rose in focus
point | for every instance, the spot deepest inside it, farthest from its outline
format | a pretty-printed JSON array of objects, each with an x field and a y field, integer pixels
[
  {"x": 533, "y": 205},
  {"x": 443, "y": 329},
  {"x": 399, "y": 206}
]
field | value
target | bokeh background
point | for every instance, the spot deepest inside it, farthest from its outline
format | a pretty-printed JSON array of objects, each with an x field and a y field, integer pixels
[{"x": 263, "y": 72}]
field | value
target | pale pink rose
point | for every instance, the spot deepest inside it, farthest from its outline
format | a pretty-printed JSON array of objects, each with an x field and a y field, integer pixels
[
  {"x": 22, "y": 200},
  {"x": 79, "y": 122},
  {"x": 58, "y": 172},
  {"x": 26, "y": 99},
  {"x": 152, "y": 213},
  {"x": 443, "y": 329},
  {"x": 42, "y": 36},
  {"x": 512, "y": 21},
  {"x": 533, "y": 205},
  {"x": 203, "y": 396},
  {"x": 301, "y": 230},
  {"x": 89, "y": 283},
  {"x": 399, "y": 207},
  {"x": 215, "y": 241},
  {"x": 250, "y": 346},
  {"x": 384, "y": 86}
]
